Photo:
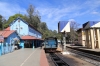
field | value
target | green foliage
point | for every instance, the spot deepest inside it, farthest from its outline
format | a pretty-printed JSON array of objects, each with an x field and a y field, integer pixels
[
  {"x": 33, "y": 17},
  {"x": 2, "y": 22},
  {"x": 72, "y": 36},
  {"x": 11, "y": 18}
]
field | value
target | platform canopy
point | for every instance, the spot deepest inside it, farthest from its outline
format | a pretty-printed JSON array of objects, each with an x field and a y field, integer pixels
[
  {"x": 91, "y": 24},
  {"x": 64, "y": 26}
]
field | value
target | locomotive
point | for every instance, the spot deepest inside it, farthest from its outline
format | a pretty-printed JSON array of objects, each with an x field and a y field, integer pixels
[{"x": 50, "y": 44}]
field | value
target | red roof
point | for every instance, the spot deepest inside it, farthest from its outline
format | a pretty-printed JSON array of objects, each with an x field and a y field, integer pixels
[
  {"x": 6, "y": 33},
  {"x": 7, "y": 28},
  {"x": 28, "y": 37}
]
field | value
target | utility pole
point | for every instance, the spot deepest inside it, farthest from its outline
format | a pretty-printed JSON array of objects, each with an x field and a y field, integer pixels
[
  {"x": 19, "y": 23},
  {"x": 19, "y": 26},
  {"x": 64, "y": 44},
  {"x": 64, "y": 41}
]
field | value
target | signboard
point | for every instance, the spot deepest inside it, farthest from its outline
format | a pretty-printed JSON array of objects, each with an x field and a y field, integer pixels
[{"x": 64, "y": 26}]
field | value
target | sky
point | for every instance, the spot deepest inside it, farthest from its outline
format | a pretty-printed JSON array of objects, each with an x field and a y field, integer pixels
[{"x": 53, "y": 11}]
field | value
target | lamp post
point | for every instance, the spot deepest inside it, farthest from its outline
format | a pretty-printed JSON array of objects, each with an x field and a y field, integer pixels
[
  {"x": 64, "y": 44},
  {"x": 64, "y": 41}
]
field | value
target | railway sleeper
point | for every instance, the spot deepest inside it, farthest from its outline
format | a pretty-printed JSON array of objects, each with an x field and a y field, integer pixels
[
  {"x": 59, "y": 61},
  {"x": 95, "y": 57},
  {"x": 61, "y": 64}
]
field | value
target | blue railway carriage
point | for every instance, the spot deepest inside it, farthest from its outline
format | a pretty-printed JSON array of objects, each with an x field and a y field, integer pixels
[{"x": 50, "y": 44}]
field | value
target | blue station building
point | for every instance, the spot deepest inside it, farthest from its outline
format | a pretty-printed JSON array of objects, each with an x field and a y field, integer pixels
[
  {"x": 24, "y": 34},
  {"x": 7, "y": 39}
]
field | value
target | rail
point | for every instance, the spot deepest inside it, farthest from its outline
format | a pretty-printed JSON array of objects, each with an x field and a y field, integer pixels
[
  {"x": 57, "y": 61},
  {"x": 88, "y": 55}
]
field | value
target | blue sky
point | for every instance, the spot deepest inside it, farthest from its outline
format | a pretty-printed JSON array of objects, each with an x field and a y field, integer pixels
[{"x": 53, "y": 11}]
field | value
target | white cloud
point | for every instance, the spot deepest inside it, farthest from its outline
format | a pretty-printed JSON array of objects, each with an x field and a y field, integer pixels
[
  {"x": 7, "y": 9},
  {"x": 92, "y": 4},
  {"x": 53, "y": 14},
  {"x": 71, "y": 20},
  {"x": 94, "y": 12}
]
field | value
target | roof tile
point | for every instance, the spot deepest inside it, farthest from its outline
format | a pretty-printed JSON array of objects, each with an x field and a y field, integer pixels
[
  {"x": 6, "y": 33},
  {"x": 28, "y": 37}
]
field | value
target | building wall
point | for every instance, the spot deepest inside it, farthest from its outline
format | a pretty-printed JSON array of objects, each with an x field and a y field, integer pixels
[
  {"x": 80, "y": 37},
  {"x": 83, "y": 38},
  {"x": 92, "y": 38},
  {"x": 21, "y": 27},
  {"x": 10, "y": 39},
  {"x": 7, "y": 45},
  {"x": 35, "y": 33},
  {"x": 24, "y": 29}
]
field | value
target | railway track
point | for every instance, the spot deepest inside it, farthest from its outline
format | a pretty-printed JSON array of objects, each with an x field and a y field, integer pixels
[
  {"x": 94, "y": 59},
  {"x": 88, "y": 55},
  {"x": 57, "y": 60}
]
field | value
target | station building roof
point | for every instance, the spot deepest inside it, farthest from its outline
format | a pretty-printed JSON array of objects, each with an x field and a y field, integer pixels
[
  {"x": 6, "y": 33},
  {"x": 28, "y": 37}
]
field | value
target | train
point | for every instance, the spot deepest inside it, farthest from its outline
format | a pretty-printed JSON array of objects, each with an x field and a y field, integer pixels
[{"x": 50, "y": 44}]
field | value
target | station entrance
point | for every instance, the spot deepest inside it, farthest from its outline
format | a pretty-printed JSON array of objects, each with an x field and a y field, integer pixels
[{"x": 28, "y": 44}]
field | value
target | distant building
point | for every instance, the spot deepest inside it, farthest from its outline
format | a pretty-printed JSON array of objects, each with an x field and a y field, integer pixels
[
  {"x": 64, "y": 26},
  {"x": 81, "y": 37},
  {"x": 92, "y": 32}
]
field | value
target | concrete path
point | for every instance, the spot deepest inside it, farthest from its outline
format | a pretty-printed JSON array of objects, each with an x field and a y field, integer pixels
[{"x": 22, "y": 57}]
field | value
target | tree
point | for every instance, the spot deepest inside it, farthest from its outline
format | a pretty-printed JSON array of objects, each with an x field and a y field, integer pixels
[
  {"x": 73, "y": 34},
  {"x": 11, "y": 18},
  {"x": 33, "y": 17},
  {"x": 43, "y": 26},
  {"x": 2, "y": 22},
  {"x": 30, "y": 12}
]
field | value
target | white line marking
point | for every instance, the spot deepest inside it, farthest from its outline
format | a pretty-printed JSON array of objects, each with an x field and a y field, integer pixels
[{"x": 27, "y": 58}]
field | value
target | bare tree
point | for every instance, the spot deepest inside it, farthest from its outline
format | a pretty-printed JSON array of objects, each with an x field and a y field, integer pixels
[
  {"x": 33, "y": 17},
  {"x": 73, "y": 28},
  {"x": 2, "y": 22},
  {"x": 30, "y": 12}
]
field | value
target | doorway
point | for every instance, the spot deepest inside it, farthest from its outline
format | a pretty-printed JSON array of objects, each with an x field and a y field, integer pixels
[{"x": 28, "y": 44}]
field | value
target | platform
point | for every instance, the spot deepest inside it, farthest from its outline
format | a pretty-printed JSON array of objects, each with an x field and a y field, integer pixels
[
  {"x": 83, "y": 48},
  {"x": 25, "y": 57}
]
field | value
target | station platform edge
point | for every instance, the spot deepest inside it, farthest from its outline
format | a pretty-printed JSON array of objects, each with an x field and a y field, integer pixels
[{"x": 43, "y": 59}]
